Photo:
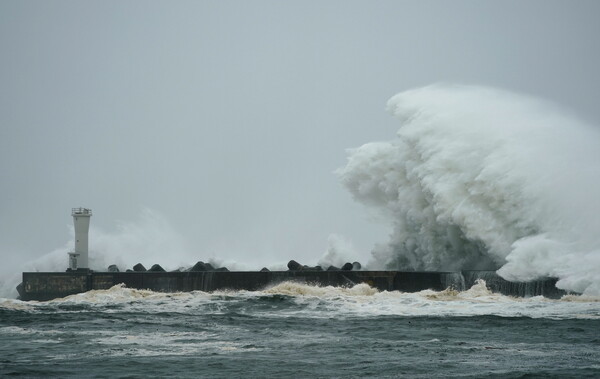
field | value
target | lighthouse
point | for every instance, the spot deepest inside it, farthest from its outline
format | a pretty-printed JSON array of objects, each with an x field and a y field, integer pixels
[{"x": 78, "y": 259}]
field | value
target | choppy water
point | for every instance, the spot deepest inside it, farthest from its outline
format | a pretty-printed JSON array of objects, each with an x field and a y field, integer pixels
[{"x": 301, "y": 331}]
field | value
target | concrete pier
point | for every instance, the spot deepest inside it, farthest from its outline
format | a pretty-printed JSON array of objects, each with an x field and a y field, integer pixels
[{"x": 44, "y": 286}]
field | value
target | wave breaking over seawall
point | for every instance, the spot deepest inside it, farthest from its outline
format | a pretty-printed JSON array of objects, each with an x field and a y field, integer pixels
[{"x": 481, "y": 178}]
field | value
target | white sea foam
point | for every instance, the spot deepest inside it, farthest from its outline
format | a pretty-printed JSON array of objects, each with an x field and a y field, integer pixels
[
  {"x": 159, "y": 343},
  {"x": 322, "y": 302},
  {"x": 166, "y": 343},
  {"x": 116, "y": 294},
  {"x": 476, "y": 301},
  {"x": 299, "y": 289},
  {"x": 480, "y": 178},
  {"x": 15, "y": 304}
]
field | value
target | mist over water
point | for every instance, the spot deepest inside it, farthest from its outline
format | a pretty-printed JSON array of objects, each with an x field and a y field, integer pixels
[
  {"x": 477, "y": 178},
  {"x": 481, "y": 178},
  {"x": 148, "y": 238}
]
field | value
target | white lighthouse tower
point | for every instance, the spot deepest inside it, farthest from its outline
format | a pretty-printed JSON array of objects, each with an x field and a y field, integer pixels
[{"x": 79, "y": 258}]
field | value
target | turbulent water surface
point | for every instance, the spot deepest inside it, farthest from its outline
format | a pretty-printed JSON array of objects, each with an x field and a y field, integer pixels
[
  {"x": 301, "y": 331},
  {"x": 477, "y": 179}
]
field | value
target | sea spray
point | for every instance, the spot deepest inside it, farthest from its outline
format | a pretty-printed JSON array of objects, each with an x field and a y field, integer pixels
[
  {"x": 339, "y": 251},
  {"x": 149, "y": 239},
  {"x": 481, "y": 178}
]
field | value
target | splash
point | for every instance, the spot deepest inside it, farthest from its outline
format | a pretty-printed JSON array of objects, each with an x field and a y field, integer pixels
[
  {"x": 481, "y": 178},
  {"x": 299, "y": 289},
  {"x": 339, "y": 251},
  {"x": 479, "y": 291},
  {"x": 117, "y": 294},
  {"x": 149, "y": 239},
  {"x": 318, "y": 302}
]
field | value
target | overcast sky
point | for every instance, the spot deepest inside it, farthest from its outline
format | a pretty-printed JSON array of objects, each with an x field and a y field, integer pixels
[{"x": 228, "y": 118}]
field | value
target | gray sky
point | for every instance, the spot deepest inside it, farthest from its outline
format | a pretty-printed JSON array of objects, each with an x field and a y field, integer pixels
[{"x": 228, "y": 118}]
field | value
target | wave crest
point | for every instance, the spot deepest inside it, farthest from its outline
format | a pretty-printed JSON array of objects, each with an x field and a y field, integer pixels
[{"x": 300, "y": 289}]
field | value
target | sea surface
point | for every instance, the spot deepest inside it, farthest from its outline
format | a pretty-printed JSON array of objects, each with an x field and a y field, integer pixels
[{"x": 296, "y": 330}]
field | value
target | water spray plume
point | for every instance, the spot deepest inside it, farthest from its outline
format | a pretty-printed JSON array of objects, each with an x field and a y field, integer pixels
[{"x": 481, "y": 178}]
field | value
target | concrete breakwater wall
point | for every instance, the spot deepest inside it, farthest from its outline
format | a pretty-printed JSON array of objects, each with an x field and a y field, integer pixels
[{"x": 44, "y": 286}]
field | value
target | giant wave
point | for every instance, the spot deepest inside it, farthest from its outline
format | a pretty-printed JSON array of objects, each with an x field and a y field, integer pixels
[{"x": 481, "y": 178}]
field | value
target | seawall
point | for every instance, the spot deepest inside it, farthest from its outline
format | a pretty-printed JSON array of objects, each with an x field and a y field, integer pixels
[{"x": 44, "y": 286}]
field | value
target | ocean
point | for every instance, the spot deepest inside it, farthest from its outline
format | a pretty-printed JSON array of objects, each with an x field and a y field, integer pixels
[{"x": 297, "y": 330}]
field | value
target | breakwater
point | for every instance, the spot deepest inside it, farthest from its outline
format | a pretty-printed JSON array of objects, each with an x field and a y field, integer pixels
[{"x": 44, "y": 286}]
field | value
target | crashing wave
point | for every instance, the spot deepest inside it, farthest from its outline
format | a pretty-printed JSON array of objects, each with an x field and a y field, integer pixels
[{"x": 480, "y": 178}]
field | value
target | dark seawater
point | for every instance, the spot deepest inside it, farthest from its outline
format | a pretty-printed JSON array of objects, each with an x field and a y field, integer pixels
[{"x": 295, "y": 330}]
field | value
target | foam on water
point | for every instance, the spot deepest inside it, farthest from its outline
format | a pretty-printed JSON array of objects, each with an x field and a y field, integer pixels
[
  {"x": 116, "y": 294},
  {"x": 299, "y": 289},
  {"x": 322, "y": 302},
  {"x": 480, "y": 178},
  {"x": 159, "y": 343}
]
